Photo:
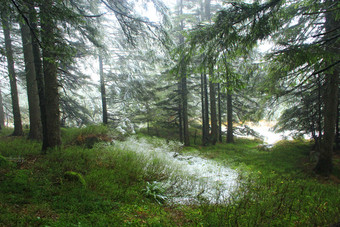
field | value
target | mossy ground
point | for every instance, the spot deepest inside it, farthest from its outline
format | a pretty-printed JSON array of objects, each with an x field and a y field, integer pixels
[{"x": 278, "y": 186}]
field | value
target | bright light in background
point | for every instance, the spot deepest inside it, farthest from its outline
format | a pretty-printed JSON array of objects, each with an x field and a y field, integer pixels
[{"x": 264, "y": 128}]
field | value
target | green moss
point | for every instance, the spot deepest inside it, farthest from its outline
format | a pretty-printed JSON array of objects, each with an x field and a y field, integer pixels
[{"x": 75, "y": 177}]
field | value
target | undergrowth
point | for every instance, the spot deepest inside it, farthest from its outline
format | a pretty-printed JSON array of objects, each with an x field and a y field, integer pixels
[{"x": 112, "y": 187}]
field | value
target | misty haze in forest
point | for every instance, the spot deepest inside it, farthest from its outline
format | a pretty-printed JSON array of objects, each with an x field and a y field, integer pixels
[{"x": 173, "y": 84}]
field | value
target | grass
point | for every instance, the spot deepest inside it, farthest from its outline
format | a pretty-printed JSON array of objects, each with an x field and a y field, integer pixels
[{"x": 111, "y": 187}]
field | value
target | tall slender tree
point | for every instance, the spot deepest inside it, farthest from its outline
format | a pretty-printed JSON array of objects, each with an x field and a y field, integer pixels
[
  {"x": 219, "y": 112},
  {"x": 230, "y": 134},
  {"x": 32, "y": 88},
  {"x": 2, "y": 113},
  {"x": 205, "y": 110},
  {"x": 102, "y": 90},
  {"x": 183, "y": 86},
  {"x": 6, "y": 25},
  {"x": 213, "y": 112}
]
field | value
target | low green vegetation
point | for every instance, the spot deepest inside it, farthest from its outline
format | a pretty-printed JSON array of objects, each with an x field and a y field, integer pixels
[{"x": 100, "y": 185}]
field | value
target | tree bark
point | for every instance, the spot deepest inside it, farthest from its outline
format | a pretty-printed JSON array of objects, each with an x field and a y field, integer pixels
[
  {"x": 39, "y": 72},
  {"x": 48, "y": 28},
  {"x": 205, "y": 124},
  {"x": 206, "y": 107},
  {"x": 325, "y": 162},
  {"x": 337, "y": 133},
  {"x": 214, "y": 128},
  {"x": 2, "y": 113},
  {"x": 102, "y": 90},
  {"x": 230, "y": 133},
  {"x": 185, "y": 111},
  {"x": 12, "y": 76},
  {"x": 183, "y": 88},
  {"x": 180, "y": 113},
  {"x": 219, "y": 113},
  {"x": 32, "y": 88}
]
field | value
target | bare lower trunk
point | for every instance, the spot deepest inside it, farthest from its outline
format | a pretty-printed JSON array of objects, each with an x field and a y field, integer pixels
[
  {"x": 102, "y": 90},
  {"x": 32, "y": 88},
  {"x": 50, "y": 76},
  {"x": 206, "y": 105},
  {"x": 185, "y": 111},
  {"x": 325, "y": 163},
  {"x": 205, "y": 124},
  {"x": 213, "y": 115},
  {"x": 2, "y": 113},
  {"x": 230, "y": 133},
  {"x": 39, "y": 72},
  {"x": 12, "y": 76},
  {"x": 219, "y": 114},
  {"x": 180, "y": 113}
]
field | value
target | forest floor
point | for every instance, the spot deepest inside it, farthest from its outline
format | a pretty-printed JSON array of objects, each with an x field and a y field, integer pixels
[{"x": 89, "y": 182}]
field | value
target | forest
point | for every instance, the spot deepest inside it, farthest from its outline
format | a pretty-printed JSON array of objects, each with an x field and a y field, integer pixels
[{"x": 167, "y": 113}]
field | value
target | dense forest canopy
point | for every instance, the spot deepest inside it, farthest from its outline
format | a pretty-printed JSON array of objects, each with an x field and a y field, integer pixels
[{"x": 195, "y": 67}]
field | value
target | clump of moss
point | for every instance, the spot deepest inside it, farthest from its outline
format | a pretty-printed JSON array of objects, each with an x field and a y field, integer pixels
[{"x": 75, "y": 177}]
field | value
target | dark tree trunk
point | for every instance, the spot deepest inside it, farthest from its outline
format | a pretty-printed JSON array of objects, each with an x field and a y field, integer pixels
[
  {"x": 325, "y": 163},
  {"x": 319, "y": 113},
  {"x": 48, "y": 28},
  {"x": 102, "y": 90},
  {"x": 214, "y": 128},
  {"x": 39, "y": 72},
  {"x": 185, "y": 111},
  {"x": 206, "y": 107},
  {"x": 219, "y": 114},
  {"x": 180, "y": 112},
  {"x": 32, "y": 88},
  {"x": 207, "y": 17},
  {"x": 2, "y": 113},
  {"x": 337, "y": 142},
  {"x": 183, "y": 89},
  {"x": 205, "y": 124},
  {"x": 148, "y": 117},
  {"x": 230, "y": 133},
  {"x": 11, "y": 73}
]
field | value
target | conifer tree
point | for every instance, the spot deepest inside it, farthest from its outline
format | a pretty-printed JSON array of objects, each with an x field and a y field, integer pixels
[{"x": 6, "y": 25}]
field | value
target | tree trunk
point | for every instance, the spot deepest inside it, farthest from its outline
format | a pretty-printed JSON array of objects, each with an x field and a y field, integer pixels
[
  {"x": 230, "y": 133},
  {"x": 48, "y": 28},
  {"x": 219, "y": 114},
  {"x": 2, "y": 113},
  {"x": 32, "y": 88},
  {"x": 11, "y": 73},
  {"x": 325, "y": 163},
  {"x": 319, "y": 113},
  {"x": 183, "y": 88},
  {"x": 39, "y": 72},
  {"x": 205, "y": 124},
  {"x": 214, "y": 128},
  {"x": 206, "y": 107},
  {"x": 102, "y": 90},
  {"x": 180, "y": 113},
  {"x": 337, "y": 133},
  {"x": 207, "y": 7},
  {"x": 185, "y": 111}
]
